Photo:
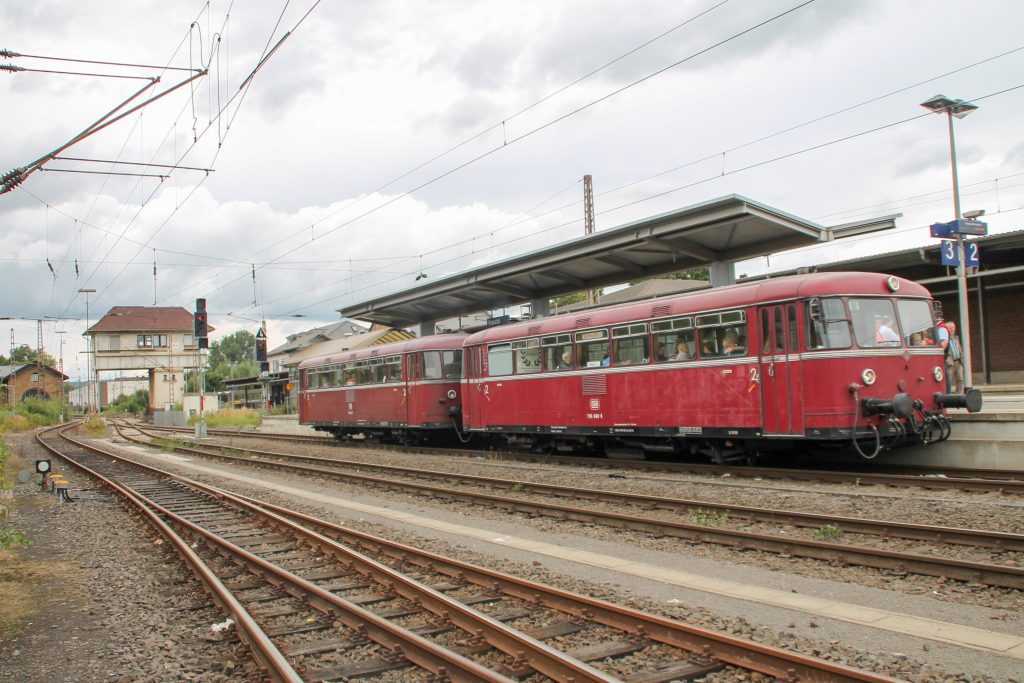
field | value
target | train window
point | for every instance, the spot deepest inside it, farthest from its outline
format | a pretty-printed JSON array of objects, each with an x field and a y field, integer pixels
[
  {"x": 452, "y": 359},
  {"x": 708, "y": 343},
  {"x": 363, "y": 373},
  {"x": 631, "y": 344},
  {"x": 432, "y": 367},
  {"x": 668, "y": 325},
  {"x": 393, "y": 369},
  {"x": 794, "y": 341},
  {"x": 557, "y": 351},
  {"x": 732, "y": 340},
  {"x": 629, "y": 330},
  {"x": 527, "y": 356},
  {"x": 916, "y": 321},
  {"x": 874, "y": 322},
  {"x": 592, "y": 349},
  {"x": 780, "y": 343},
  {"x": 379, "y": 371},
  {"x": 413, "y": 366},
  {"x": 499, "y": 359},
  {"x": 828, "y": 326},
  {"x": 733, "y": 317},
  {"x": 709, "y": 320},
  {"x": 674, "y": 346},
  {"x": 348, "y": 374}
]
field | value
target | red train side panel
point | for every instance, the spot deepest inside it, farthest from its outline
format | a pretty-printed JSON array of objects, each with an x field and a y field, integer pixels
[
  {"x": 392, "y": 390},
  {"x": 760, "y": 365}
]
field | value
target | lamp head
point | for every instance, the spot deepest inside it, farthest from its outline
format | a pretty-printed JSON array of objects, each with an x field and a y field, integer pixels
[
  {"x": 977, "y": 213},
  {"x": 940, "y": 104}
]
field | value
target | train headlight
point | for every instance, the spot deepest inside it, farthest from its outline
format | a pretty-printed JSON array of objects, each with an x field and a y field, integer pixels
[
  {"x": 451, "y": 394},
  {"x": 937, "y": 373},
  {"x": 894, "y": 283},
  {"x": 868, "y": 377}
]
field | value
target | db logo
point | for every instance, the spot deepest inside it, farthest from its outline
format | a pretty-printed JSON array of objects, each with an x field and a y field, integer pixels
[{"x": 595, "y": 404}]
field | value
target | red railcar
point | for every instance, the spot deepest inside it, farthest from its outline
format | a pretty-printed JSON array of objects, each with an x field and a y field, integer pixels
[
  {"x": 401, "y": 391},
  {"x": 823, "y": 359}
]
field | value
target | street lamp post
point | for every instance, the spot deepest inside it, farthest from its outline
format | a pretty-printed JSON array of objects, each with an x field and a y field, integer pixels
[
  {"x": 88, "y": 357},
  {"x": 940, "y": 104}
]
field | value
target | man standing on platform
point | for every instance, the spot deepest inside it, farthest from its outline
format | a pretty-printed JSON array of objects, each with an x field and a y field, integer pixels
[{"x": 954, "y": 364}]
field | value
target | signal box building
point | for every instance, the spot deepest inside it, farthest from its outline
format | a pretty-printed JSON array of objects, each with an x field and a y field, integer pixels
[
  {"x": 23, "y": 382},
  {"x": 158, "y": 340}
]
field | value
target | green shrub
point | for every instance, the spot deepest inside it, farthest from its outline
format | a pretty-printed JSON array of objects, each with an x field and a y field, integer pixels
[
  {"x": 95, "y": 426},
  {"x": 14, "y": 423},
  {"x": 137, "y": 403},
  {"x": 5, "y": 455},
  {"x": 48, "y": 411},
  {"x": 9, "y": 537}
]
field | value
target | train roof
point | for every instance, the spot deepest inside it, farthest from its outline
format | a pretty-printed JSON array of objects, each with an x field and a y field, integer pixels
[
  {"x": 431, "y": 343},
  {"x": 718, "y": 298}
]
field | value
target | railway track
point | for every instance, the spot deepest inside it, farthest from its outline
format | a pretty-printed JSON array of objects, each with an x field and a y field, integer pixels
[
  {"x": 660, "y": 515},
  {"x": 939, "y": 479},
  {"x": 318, "y": 602}
]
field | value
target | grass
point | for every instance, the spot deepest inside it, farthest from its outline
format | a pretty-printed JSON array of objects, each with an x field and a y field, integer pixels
[
  {"x": 237, "y": 418},
  {"x": 22, "y": 587},
  {"x": 5, "y": 456},
  {"x": 827, "y": 532},
  {"x": 169, "y": 445},
  {"x": 702, "y": 517},
  {"x": 29, "y": 415},
  {"x": 95, "y": 426},
  {"x": 10, "y": 536}
]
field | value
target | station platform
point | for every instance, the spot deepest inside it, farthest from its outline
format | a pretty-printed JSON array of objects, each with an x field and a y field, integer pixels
[{"x": 990, "y": 439}]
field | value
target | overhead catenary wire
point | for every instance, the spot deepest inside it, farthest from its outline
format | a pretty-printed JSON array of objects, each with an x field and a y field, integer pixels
[
  {"x": 537, "y": 129},
  {"x": 269, "y": 265},
  {"x": 240, "y": 94},
  {"x": 758, "y": 164}
]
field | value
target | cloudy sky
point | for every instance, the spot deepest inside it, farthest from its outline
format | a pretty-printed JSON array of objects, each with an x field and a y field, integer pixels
[{"x": 381, "y": 140}]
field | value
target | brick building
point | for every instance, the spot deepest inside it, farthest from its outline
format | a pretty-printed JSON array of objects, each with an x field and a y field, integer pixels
[{"x": 31, "y": 381}]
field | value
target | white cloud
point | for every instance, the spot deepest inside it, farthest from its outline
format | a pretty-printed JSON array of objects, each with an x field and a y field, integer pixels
[{"x": 362, "y": 93}]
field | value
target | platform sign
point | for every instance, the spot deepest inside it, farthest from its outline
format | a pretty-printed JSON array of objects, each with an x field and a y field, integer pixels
[
  {"x": 951, "y": 254},
  {"x": 968, "y": 226},
  {"x": 962, "y": 226}
]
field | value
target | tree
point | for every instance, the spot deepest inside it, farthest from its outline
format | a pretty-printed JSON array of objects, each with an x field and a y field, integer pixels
[
  {"x": 231, "y": 357},
  {"x": 25, "y": 354},
  {"x": 137, "y": 403},
  {"x": 234, "y": 348},
  {"x": 702, "y": 273}
]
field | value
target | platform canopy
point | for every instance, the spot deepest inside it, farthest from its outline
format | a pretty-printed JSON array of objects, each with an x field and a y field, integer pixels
[{"x": 720, "y": 231}]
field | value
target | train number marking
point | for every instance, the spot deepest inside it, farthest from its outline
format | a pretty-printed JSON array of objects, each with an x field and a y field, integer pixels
[{"x": 755, "y": 378}]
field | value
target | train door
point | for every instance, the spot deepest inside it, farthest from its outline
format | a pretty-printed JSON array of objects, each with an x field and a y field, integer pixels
[
  {"x": 303, "y": 398},
  {"x": 779, "y": 367},
  {"x": 471, "y": 389},
  {"x": 412, "y": 378}
]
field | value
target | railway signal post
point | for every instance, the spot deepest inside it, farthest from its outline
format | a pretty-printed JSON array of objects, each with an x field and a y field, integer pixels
[{"x": 201, "y": 330}]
